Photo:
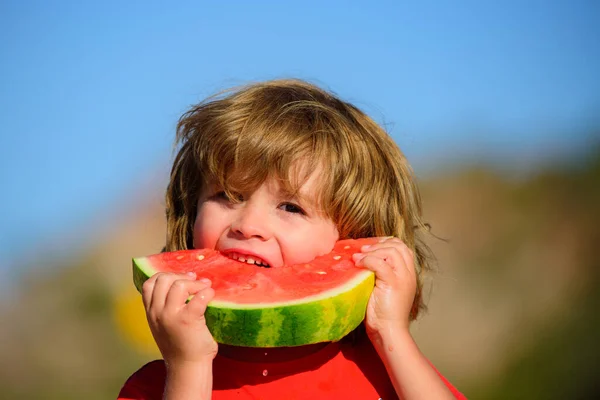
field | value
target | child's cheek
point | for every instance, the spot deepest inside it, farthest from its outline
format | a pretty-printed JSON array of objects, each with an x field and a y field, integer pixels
[
  {"x": 206, "y": 229},
  {"x": 309, "y": 247}
]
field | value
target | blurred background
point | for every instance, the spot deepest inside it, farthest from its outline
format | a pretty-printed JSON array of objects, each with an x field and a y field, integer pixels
[{"x": 496, "y": 105}]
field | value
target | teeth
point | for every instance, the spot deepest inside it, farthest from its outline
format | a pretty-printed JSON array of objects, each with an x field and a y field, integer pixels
[{"x": 248, "y": 259}]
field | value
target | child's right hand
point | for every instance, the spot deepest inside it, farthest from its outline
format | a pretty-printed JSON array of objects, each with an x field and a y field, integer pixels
[{"x": 179, "y": 329}]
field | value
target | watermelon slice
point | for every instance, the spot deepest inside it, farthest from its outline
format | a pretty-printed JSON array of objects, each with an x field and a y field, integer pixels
[{"x": 295, "y": 305}]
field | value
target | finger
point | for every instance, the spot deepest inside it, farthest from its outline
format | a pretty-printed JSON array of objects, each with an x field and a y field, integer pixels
[
  {"x": 391, "y": 254},
  {"x": 181, "y": 290},
  {"x": 162, "y": 287},
  {"x": 405, "y": 252},
  {"x": 383, "y": 271},
  {"x": 408, "y": 256},
  {"x": 147, "y": 290},
  {"x": 197, "y": 305},
  {"x": 389, "y": 240},
  {"x": 384, "y": 239}
]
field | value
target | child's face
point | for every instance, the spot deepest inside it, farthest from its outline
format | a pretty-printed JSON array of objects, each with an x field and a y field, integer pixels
[{"x": 265, "y": 226}]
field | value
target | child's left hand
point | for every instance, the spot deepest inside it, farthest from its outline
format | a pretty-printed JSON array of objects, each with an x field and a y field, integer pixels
[{"x": 395, "y": 285}]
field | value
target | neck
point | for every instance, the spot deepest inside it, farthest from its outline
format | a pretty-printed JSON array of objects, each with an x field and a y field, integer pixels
[{"x": 266, "y": 355}]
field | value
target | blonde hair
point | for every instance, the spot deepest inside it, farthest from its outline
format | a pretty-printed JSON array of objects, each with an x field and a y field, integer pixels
[{"x": 243, "y": 136}]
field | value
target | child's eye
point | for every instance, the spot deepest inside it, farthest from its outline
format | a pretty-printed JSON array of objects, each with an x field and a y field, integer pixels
[
  {"x": 292, "y": 208},
  {"x": 221, "y": 195}
]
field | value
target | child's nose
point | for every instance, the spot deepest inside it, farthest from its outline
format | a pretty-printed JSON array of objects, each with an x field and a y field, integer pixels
[{"x": 252, "y": 222}]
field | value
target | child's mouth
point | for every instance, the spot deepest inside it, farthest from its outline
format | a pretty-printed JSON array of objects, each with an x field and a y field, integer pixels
[{"x": 253, "y": 260}]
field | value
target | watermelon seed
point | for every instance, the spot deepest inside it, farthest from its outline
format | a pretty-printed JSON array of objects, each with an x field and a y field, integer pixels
[
  {"x": 265, "y": 372},
  {"x": 200, "y": 257},
  {"x": 321, "y": 272},
  {"x": 337, "y": 257},
  {"x": 346, "y": 247},
  {"x": 179, "y": 257}
]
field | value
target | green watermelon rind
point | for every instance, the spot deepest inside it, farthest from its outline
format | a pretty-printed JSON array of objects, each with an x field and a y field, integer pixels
[
  {"x": 326, "y": 317},
  {"x": 142, "y": 270}
]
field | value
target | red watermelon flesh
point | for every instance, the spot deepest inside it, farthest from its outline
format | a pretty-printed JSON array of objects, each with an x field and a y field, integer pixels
[{"x": 330, "y": 293}]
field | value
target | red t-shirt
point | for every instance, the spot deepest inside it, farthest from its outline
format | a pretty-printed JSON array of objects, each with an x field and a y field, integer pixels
[{"x": 338, "y": 371}]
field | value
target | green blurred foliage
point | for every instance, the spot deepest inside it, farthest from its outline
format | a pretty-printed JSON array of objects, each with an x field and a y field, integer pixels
[
  {"x": 563, "y": 360},
  {"x": 60, "y": 341}
]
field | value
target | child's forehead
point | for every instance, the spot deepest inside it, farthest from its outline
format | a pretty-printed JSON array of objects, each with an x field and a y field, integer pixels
[{"x": 301, "y": 181}]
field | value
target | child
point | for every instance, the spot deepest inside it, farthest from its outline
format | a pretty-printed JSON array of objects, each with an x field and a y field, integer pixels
[{"x": 278, "y": 171}]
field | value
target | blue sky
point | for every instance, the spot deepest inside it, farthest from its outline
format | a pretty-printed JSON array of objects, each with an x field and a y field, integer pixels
[{"x": 90, "y": 91}]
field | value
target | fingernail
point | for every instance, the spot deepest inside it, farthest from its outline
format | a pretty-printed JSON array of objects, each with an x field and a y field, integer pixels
[
  {"x": 358, "y": 256},
  {"x": 205, "y": 280},
  {"x": 191, "y": 274},
  {"x": 366, "y": 247}
]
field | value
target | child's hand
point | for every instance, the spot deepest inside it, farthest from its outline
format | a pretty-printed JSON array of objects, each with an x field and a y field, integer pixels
[
  {"x": 395, "y": 285},
  {"x": 179, "y": 329}
]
